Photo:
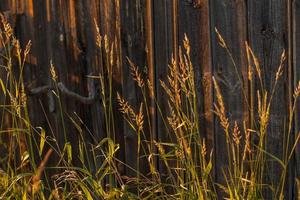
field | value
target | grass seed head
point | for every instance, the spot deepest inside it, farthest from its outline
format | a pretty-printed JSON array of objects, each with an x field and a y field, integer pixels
[
  {"x": 252, "y": 58},
  {"x": 53, "y": 72},
  {"x": 8, "y": 31},
  {"x": 236, "y": 134},
  {"x": 280, "y": 68},
  {"x": 250, "y": 70},
  {"x": 137, "y": 76},
  {"x": 98, "y": 35},
  {"x": 297, "y": 90},
  {"x": 220, "y": 39},
  {"x": 27, "y": 48},
  {"x": 186, "y": 44},
  {"x": 139, "y": 118},
  {"x": 203, "y": 149},
  {"x": 220, "y": 107},
  {"x": 125, "y": 108}
]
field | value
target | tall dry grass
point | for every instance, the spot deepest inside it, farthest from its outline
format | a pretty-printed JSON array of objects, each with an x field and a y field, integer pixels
[{"x": 186, "y": 157}]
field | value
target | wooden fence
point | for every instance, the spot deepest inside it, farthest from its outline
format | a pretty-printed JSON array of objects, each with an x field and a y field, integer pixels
[{"x": 149, "y": 33}]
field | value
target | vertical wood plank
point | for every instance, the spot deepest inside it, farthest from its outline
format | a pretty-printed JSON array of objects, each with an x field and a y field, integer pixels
[
  {"x": 110, "y": 26},
  {"x": 205, "y": 85},
  {"x": 229, "y": 17},
  {"x": 88, "y": 14},
  {"x": 198, "y": 31},
  {"x": 137, "y": 36},
  {"x": 295, "y": 39},
  {"x": 4, "y": 6},
  {"x": 164, "y": 48},
  {"x": 130, "y": 32},
  {"x": 268, "y": 34},
  {"x": 151, "y": 71},
  {"x": 290, "y": 187}
]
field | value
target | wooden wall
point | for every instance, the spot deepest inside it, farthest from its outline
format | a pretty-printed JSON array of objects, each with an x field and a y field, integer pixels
[{"x": 149, "y": 32}]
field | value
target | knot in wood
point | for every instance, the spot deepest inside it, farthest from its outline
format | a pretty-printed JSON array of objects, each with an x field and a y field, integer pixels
[
  {"x": 206, "y": 82},
  {"x": 267, "y": 32},
  {"x": 194, "y": 3}
]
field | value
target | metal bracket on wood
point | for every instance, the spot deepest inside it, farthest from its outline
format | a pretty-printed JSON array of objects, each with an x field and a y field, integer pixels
[{"x": 65, "y": 91}]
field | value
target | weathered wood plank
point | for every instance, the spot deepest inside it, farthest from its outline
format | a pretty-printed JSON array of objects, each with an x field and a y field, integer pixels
[
  {"x": 149, "y": 32},
  {"x": 90, "y": 59},
  {"x": 149, "y": 28},
  {"x": 229, "y": 17},
  {"x": 164, "y": 48},
  {"x": 295, "y": 47},
  {"x": 267, "y": 22},
  {"x": 4, "y": 6},
  {"x": 110, "y": 27},
  {"x": 134, "y": 48},
  {"x": 198, "y": 32},
  {"x": 205, "y": 85}
]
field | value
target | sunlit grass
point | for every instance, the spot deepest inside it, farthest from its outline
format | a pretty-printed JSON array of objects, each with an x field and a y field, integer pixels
[{"x": 185, "y": 156}]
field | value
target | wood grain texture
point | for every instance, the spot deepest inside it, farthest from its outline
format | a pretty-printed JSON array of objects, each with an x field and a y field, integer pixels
[
  {"x": 149, "y": 33},
  {"x": 268, "y": 37},
  {"x": 230, "y": 19},
  {"x": 165, "y": 37},
  {"x": 133, "y": 47},
  {"x": 295, "y": 42}
]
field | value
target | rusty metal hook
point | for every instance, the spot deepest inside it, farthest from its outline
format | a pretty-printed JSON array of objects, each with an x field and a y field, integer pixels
[{"x": 90, "y": 99}]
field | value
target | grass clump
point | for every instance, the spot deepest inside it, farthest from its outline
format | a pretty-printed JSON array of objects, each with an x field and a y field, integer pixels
[{"x": 186, "y": 160}]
